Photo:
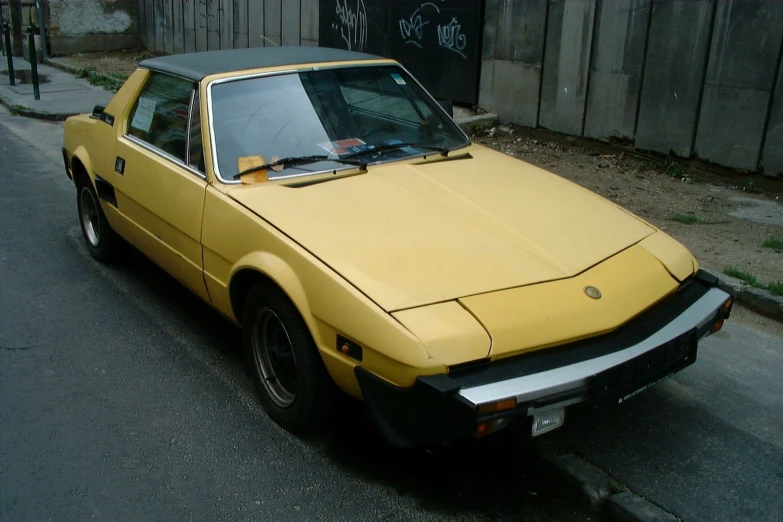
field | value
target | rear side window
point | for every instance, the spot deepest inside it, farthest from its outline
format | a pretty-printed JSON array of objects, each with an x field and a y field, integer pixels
[{"x": 160, "y": 115}]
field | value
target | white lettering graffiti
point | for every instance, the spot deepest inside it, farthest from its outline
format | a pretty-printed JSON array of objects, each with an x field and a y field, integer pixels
[
  {"x": 450, "y": 37},
  {"x": 412, "y": 28},
  {"x": 352, "y": 24}
]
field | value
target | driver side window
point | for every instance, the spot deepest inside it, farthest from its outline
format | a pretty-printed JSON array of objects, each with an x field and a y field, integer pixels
[{"x": 160, "y": 114}]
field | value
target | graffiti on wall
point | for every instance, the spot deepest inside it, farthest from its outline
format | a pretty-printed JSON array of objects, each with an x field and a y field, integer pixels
[
  {"x": 351, "y": 23},
  {"x": 450, "y": 36}
]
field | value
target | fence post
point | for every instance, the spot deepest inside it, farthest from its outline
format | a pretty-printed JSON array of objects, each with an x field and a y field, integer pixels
[
  {"x": 33, "y": 62},
  {"x": 8, "y": 53}
]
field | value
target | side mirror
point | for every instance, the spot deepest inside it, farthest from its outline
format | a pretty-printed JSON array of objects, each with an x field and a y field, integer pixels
[
  {"x": 448, "y": 106},
  {"x": 97, "y": 112}
]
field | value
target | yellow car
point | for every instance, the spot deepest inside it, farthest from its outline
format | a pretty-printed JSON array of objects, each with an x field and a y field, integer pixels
[{"x": 325, "y": 202}]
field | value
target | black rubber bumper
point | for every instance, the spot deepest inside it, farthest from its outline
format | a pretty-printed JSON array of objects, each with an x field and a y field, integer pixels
[{"x": 432, "y": 410}]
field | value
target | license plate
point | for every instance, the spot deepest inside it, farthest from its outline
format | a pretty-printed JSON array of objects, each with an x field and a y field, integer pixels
[{"x": 622, "y": 382}]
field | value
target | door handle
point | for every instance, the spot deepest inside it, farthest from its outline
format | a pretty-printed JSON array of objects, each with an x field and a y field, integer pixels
[{"x": 119, "y": 166}]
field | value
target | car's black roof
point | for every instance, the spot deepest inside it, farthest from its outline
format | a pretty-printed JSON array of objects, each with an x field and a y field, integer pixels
[{"x": 196, "y": 66}]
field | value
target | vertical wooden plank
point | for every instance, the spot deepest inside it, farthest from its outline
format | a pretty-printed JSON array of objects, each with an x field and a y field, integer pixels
[
  {"x": 255, "y": 21},
  {"x": 168, "y": 27},
  {"x": 213, "y": 27},
  {"x": 178, "y": 27},
  {"x": 143, "y": 23},
  {"x": 226, "y": 23},
  {"x": 159, "y": 19},
  {"x": 240, "y": 24},
  {"x": 309, "y": 15},
  {"x": 189, "y": 25},
  {"x": 273, "y": 12},
  {"x": 201, "y": 25},
  {"x": 149, "y": 24},
  {"x": 291, "y": 20}
]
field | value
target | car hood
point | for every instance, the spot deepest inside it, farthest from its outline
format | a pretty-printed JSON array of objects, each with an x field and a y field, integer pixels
[{"x": 410, "y": 234}]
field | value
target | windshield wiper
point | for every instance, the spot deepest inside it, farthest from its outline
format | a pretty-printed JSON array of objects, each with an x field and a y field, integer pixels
[
  {"x": 302, "y": 160},
  {"x": 444, "y": 151}
]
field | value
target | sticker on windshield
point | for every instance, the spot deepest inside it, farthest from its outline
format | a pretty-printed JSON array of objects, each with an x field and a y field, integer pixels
[
  {"x": 341, "y": 147},
  {"x": 248, "y": 162},
  {"x": 142, "y": 119},
  {"x": 397, "y": 78}
]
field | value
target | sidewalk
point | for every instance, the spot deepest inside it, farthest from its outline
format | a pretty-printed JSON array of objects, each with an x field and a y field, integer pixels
[{"x": 62, "y": 94}]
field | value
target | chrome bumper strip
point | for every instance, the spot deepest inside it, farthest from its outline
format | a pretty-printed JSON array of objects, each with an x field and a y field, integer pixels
[{"x": 551, "y": 382}]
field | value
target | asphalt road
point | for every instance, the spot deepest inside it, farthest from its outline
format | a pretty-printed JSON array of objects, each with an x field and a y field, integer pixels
[{"x": 124, "y": 398}]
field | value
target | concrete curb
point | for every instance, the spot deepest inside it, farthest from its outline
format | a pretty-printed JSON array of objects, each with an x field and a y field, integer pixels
[
  {"x": 593, "y": 488},
  {"x": 762, "y": 301},
  {"x": 38, "y": 115}
]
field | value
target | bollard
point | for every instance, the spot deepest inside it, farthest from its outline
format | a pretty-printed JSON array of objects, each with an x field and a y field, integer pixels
[
  {"x": 33, "y": 62},
  {"x": 8, "y": 53}
]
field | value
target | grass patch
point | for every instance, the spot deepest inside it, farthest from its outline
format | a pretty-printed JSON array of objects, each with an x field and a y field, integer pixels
[
  {"x": 774, "y": 242},
  {"x": 775, "y": 287},
  {"x": 16, "y": 109},
  {"x": 111, "y": 81},
  {"x": 687, "y": 219},
  {"x": 739, "y": 274},
  {"x": 674, "y": 168}
]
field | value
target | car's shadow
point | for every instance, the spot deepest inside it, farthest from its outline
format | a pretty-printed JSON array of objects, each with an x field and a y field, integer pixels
[{"x": 499, "y": 477}]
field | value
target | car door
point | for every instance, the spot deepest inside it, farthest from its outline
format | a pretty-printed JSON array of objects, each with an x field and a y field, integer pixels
[{"x": 162, "y": 186}]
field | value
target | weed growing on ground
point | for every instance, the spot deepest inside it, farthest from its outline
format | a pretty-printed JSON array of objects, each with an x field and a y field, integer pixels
[
  {"x": 674, "y": 169},
  {"x": 739, "y": 274},
  {"x": 16, "y": 109},
  {"x": 111, "y": 81},
  {"x": 687, "y": 219},
  {"x": 775, "y": 287},
  {"x": 774, "y": 243}
]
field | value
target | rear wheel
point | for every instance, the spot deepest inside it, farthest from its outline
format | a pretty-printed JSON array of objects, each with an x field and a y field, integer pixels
[
  {"x": 295, "y": 388},
  {"x": 102, "y": 242}
]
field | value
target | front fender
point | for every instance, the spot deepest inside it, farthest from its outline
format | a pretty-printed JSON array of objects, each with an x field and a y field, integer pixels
[{"x": 281, "y": 273}]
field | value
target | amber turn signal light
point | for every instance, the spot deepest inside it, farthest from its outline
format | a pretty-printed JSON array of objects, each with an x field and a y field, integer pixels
[
  {"x": 717, "y": 326},
  {"x": 497, "y": 406}
]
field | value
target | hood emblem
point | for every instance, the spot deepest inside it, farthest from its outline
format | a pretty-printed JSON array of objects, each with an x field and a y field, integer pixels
[{"x": 592, "y": 292}]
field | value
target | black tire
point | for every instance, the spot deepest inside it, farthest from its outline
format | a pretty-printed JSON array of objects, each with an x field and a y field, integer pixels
[
  {"x": 296, "y": 390},
  {"x": 101, "y": 241}
]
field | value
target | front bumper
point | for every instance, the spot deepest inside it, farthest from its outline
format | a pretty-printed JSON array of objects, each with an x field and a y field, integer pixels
[{"x": 608, "y": 368}]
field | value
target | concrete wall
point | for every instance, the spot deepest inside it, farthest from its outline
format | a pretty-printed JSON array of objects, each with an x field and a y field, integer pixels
[
  {"x": 177, "y": 26},
  {"x": 696, "y": 78},
  {"x": 77, "y": 26}
]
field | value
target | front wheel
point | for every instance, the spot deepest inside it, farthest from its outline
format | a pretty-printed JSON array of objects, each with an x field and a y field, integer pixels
[
  {"x": 296, "y": 390},
  {"x": 102, "y": 242}
]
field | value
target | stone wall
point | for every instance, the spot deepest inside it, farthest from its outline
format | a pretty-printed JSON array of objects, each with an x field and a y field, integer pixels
[{"x": 77, "y": 26}]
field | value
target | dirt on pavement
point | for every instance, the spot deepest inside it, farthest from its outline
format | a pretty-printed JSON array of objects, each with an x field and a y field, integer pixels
[
  {"x": 110, "y": 62},
  {"x": 730, "y": 214}
]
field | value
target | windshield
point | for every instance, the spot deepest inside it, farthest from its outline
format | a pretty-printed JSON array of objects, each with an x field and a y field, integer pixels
[{"x": 361, "y": 112}]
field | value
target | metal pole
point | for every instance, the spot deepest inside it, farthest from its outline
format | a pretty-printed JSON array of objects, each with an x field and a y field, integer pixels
[
  {"x": 8, "y": 54},
  {"x": 33, "y": 62},
  {"x": 42, "y": 30}
]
